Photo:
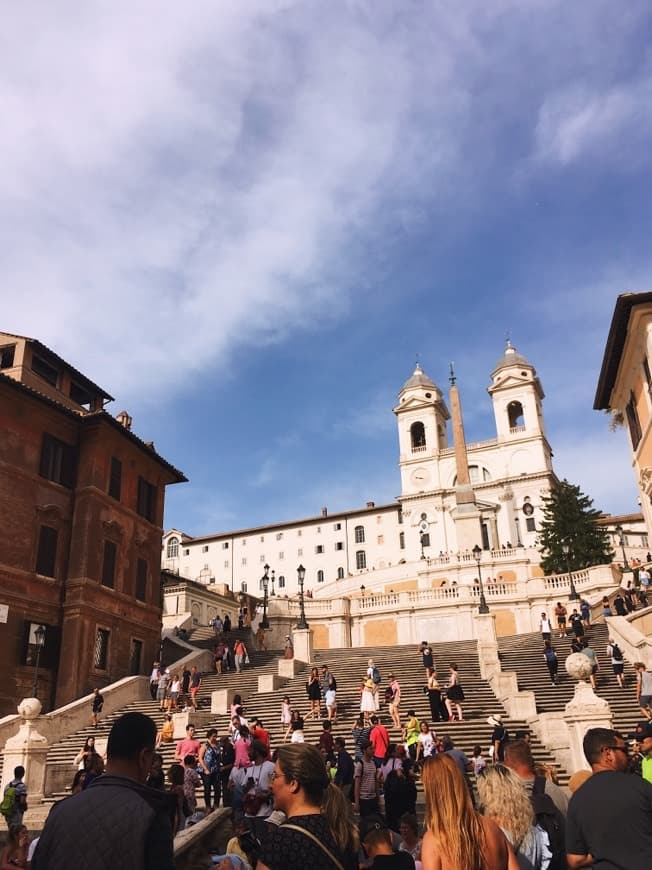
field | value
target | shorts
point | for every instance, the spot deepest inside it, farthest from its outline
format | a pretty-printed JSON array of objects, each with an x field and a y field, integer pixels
[
  {"x": 618, "y": 667},
  {"x": 160, "y": 694},
  {"x": 645, "y": 700},
  {"x": 561, "y": 620},
  {"x": 594, "y": 669}
]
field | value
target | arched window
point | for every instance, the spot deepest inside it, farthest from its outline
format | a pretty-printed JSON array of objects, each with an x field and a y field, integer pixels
[
  {"x": 359, "y": 534},
  {"x": 515, "y": 415},
  {"x": 340, "y": 573},
  {"x": 320, "y": 576},
  {"x": 243, "y": 586},
  {"x": 281, "y": 582},
  {"x": 360, "y": 560},
  {"x": 418, "y": 435},
  {"x": 477, "y": 474},
  {"x": 173, "y": 548}
]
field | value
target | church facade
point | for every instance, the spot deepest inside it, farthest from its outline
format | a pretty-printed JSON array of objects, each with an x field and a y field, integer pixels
[{"x": 454, "y": 496}]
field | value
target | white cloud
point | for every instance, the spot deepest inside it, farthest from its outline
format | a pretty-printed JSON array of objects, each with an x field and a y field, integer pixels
[
  {"x": 614, "y": 124},
  {"x": 180, "y": 181}
]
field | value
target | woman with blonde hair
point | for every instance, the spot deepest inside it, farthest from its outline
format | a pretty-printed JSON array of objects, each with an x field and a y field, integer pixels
[
  {"x": 320, "y": 830},
  {"x": 504, "y": 799},
  {"x": 458, "y": 837}
]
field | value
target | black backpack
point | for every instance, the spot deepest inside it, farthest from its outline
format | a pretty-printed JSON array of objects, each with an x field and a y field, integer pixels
[
  {"x": 616, "y": 652},
  {"x": 551, "y": 820}
]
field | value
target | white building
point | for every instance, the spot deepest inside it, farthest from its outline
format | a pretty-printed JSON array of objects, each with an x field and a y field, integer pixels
[{"x": 435, "y": 516}]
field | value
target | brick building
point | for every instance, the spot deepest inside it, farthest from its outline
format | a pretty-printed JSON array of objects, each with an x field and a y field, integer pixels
[{"x": 81, "y": 514}]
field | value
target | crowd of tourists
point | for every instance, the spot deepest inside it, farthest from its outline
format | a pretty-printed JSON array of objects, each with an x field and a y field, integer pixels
[
  {"x": 347, "y": 802},
  {"x": 301, "y": 806}
]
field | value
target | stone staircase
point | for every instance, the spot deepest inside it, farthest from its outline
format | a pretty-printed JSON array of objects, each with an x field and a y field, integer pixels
[{"x": 524, "y": 654}]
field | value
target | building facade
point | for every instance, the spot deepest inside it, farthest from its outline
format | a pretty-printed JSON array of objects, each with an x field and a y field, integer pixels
[
  {"x": 625, "y": 385},
  {"x": 454, "y": 496},
  {"x": 81, "y": 513}
]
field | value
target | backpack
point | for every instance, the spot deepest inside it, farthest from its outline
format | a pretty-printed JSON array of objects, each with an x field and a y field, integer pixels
[
  {"x": 551, "y": 820},
  {"x": 375, "y": 676},
  {"x": 616, "y": 653},
  {"x": 8, "y": 804},
  {"x": 389, "y": 695}
]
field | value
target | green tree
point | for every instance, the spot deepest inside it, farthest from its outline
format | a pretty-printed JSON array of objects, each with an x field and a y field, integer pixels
[{"x": 569, "y": 518}]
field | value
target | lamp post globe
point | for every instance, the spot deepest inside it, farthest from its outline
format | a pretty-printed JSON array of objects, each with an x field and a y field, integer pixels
[
  {"x": 39, "y": 638},
  {"x": 301, "y": 575},
  {"x": 477, "y": 555}
]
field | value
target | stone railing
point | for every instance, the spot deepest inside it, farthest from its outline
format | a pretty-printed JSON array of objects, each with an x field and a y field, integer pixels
[
  {"x": 633, "y": 635},
  {"x": 562, "y": 581},
  {"x": 192, "y": 846}
]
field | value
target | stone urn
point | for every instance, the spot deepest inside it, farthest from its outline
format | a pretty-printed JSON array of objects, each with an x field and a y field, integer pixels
[{"x": 578, "y": 666}]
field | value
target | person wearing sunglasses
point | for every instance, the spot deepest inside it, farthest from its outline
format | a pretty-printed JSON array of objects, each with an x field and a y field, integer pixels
[{"x": 609, "y": 822}]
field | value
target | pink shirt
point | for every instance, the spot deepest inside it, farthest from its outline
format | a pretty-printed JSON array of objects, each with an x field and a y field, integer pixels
[
  {"x": 187, "y": 746},
  {"x": 242, "y": 754}
]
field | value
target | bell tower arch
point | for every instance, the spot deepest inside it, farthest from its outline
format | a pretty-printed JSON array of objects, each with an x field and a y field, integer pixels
[
  {"x": 517, "y": 396},
  {"x": 421, "y": 415}
]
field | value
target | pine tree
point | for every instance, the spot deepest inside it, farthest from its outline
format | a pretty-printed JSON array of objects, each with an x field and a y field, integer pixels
[{"x": 569, "y": 518}]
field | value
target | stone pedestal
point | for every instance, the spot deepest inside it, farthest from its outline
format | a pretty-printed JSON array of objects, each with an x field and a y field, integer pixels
[
  {"x": 302, "y": 640},
  {"x": 484, "y": 628},
  {"x": 29, "y": 749},
  {"x": 288, "y": 668},
  {"x": 221, "y": 700},
  {"x": 199, "y": 719},
  {"x": 269, "y": 682},
  {"x": 586, "y": 710}
]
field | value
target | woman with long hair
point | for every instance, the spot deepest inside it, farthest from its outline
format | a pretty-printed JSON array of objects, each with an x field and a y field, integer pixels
[
  {"x": 84, "y": 757},
  {"x": 504, "y": 799},
  {"x": 320, "y": 831},
  {"x": 458, "y": 837},
  {"x": 454, "y": 694},
  {"x": 313, "y": 689},
  {"x": 14, "y": 853}
]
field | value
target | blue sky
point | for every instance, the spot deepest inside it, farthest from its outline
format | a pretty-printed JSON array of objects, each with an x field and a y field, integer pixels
[{"x": 246, "y": 221}]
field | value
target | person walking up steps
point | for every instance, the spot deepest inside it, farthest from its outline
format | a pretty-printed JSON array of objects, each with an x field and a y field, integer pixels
[
  {"x": 552, "y": 663},
  {"x": 617, "y": 661},
  {"x": 560, "y": 616}
]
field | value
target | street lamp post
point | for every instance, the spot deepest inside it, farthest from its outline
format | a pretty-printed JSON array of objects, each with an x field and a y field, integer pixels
[
  {"x": 573, "y": 591},
  {"x": 265, "y": 621},
  {"x": 303, "y": 622},
  {"x": 477, "y": 555},
  {"x": 421, "y": 537},
  {"x": 39, "y": 637},
  {"x": 621, "y": 541},
  {"x": 519, "y": 542}
]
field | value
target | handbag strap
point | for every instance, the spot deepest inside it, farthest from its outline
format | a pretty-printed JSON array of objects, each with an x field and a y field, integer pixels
[{"x": 311, "y": 836}]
